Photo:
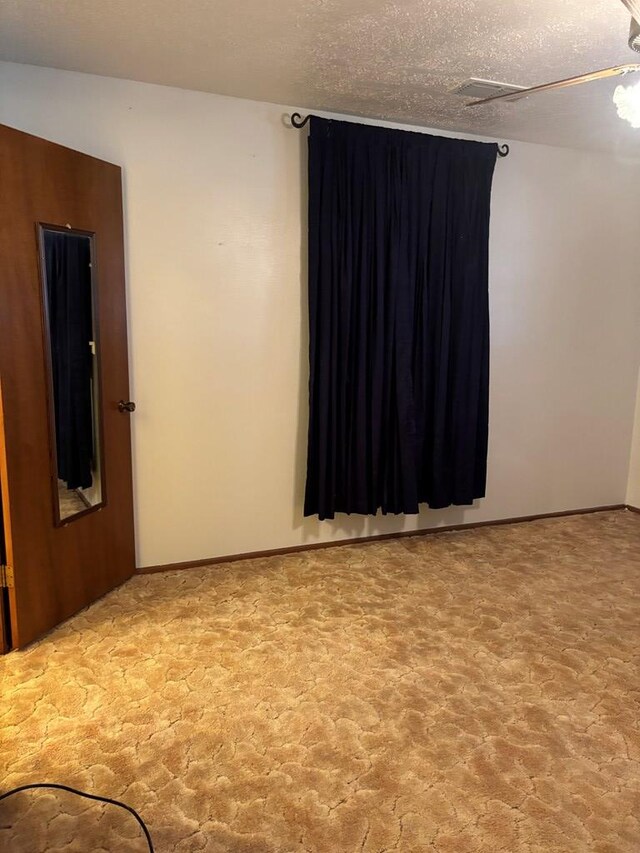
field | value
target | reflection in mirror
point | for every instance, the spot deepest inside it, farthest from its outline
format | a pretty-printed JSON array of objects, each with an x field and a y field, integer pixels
[{"x": 73, "y": 360}]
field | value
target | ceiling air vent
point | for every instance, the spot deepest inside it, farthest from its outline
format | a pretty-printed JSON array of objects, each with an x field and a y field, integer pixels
[{"x": 475, "y": 88}]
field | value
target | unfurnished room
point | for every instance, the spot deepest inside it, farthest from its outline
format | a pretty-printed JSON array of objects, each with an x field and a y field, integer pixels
[{"x": 320, "y": 426}]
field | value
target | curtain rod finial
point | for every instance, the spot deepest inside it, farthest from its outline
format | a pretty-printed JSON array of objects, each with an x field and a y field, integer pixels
[{"x": 298, "y": 121}]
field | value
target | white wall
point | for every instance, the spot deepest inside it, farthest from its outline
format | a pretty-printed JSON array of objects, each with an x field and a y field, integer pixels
[
  {"x": 633, "y": 486},
  {"x": 214, "y": 195}
]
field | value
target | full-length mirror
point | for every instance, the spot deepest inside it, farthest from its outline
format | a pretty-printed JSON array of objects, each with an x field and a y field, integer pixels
[{"x": 74, "y": 370}]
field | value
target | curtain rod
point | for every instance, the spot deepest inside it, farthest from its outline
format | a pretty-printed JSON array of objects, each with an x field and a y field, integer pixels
[{"x": 298, "y": 121}]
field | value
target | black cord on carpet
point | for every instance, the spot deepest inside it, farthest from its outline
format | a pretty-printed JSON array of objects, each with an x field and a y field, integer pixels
[{"x": 88, "y": 797}]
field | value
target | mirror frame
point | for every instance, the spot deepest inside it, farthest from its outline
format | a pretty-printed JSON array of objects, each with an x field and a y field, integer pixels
[{"x": 41, "y": 227}]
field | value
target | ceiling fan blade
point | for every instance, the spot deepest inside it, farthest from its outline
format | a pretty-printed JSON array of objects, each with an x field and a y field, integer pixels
[
  {"x": 561, "y": 84},
  {"x": 634, "y": 7}
]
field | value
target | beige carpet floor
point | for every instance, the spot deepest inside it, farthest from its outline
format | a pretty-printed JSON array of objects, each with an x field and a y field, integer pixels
[
  {"x": 465, "y": 692},
  {"x": 69, "y": 501}
]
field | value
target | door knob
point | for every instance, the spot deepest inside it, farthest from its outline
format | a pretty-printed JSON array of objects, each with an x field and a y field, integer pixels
[{"x": 126, "y": 406}]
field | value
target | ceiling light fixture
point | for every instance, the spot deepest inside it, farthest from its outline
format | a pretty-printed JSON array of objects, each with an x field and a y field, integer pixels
[
  {"x": 634, "y": 35},
  {"x": 627, "y": 101}
]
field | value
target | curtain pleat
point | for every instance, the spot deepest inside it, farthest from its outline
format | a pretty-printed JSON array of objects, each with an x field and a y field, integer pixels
[{"x": 398, "y": 319}]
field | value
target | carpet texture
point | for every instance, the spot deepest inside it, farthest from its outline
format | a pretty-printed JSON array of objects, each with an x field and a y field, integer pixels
[
  {"x": 463, "y": 692},
  {"x": 69, "y": 501}
]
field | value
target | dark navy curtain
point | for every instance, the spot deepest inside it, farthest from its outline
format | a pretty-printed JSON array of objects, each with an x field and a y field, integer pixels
[
  {"x": 68, "y": 270},
  {"x": 399, "y": 319}
]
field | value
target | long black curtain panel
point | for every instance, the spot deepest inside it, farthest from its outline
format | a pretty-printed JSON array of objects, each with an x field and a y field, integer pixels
[
  {"x": 68, "y": 269},
  {"x": 399, "y": 319}
]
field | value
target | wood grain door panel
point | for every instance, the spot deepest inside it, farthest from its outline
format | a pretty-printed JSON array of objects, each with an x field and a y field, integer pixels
[{"x": 58, "y": 570}]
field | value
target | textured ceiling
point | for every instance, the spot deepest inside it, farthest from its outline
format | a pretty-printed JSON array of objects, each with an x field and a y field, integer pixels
[{"x": 396, "y": 61}]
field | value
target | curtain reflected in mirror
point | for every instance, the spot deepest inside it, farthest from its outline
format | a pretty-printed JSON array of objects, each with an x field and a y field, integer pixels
[{"x": 70, "y": 326}]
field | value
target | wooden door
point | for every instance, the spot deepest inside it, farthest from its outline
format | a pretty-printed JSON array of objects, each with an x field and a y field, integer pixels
[{"x": 60, "y": 563}]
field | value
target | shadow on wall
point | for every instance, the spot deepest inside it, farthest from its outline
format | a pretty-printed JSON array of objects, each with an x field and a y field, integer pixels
[{"x": 343, "y": 526}]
